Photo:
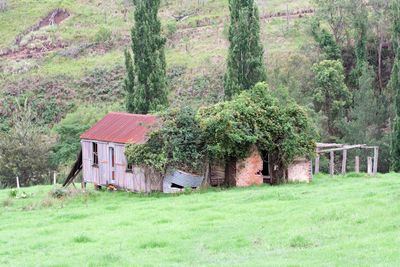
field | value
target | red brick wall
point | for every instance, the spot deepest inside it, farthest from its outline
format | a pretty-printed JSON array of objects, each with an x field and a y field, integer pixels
[{"x": 248, "y": 171}]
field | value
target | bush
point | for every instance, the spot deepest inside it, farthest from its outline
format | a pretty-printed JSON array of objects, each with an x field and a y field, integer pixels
[
  {"x": 171, "y": 28},
  {"x": 59, "y": 193},
  {"x": 103, "y": 35},
  {"x": 13, "y": 193},
  {"x": 23, "y": 150},
  {"x": 177, "y": 142}
]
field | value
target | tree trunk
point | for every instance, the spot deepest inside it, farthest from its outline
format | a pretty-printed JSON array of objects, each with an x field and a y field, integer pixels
[
  {"x": 277, "y": 170},
  {"x": 380, "y": 62},
  {"x": 3, "y": 5},
  {"x": 230, "y": 172},
  {"x": 125, "y": 9}
]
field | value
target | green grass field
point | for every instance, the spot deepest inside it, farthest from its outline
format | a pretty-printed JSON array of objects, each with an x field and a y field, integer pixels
[{"x": 345, "y": 221}]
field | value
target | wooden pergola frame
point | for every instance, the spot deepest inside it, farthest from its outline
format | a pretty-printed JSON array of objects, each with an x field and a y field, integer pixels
[{"x": 331, "y": 148}]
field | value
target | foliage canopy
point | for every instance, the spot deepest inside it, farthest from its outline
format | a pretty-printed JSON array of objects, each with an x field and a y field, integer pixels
[
  {"x": 245, "y": 65},
  {"x": 228, "y": 131},
  {"x": 146, "y": 83}
]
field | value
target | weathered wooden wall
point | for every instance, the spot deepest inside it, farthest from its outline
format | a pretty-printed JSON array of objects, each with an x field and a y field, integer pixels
[{"x": 137, "y": 180}]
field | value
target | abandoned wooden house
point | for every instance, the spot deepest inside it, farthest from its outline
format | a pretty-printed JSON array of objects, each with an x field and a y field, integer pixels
[{"x": 103, "y": 162}]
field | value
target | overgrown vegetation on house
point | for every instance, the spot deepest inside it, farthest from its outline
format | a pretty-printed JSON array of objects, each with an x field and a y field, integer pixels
[{"x": 227, "y": 131}]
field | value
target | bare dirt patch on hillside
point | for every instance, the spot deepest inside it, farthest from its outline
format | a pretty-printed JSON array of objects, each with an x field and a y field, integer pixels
[{"x": 35, "y": 43}]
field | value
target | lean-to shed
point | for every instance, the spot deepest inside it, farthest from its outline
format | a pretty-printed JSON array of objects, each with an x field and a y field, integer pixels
[{"x": 103, "y": 146}]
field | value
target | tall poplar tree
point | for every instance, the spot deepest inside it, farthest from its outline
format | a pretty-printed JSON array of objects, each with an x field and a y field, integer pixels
[
  {"x": 146, "y": 83},
  {"x": 395, "y": 85},
  {"x": 245, "y": 56}
]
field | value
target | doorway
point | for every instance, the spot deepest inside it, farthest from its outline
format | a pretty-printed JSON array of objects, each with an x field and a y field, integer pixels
[
  {"x": 266, "y": 172},
  {"x": 112, "y": 164}
]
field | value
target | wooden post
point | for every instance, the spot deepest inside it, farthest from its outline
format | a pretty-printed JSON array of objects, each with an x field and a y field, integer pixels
[
  {"x": 54, "y": 178},
  {"x": 17, "y": 182},
  {"x": 287, "y": 17},
  {"x": 369, "y": 166},
  {"x": 357, "y": 168},
  {"x": 344, "y": 162},
  {"x": 316, "y": 165},
  {"x": 332, "y": 163},
  {"x": 376, "y": 151}
]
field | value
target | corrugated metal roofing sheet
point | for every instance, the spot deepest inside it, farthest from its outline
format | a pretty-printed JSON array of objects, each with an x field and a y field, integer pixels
[{"x": 121, "y": 128}]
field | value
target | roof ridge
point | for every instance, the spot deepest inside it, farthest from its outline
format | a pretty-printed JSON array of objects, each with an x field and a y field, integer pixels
[{"x": 131, "y": 114}]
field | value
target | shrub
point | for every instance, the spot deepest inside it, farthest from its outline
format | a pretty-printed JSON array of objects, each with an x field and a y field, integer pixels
[
  {"x": 59, "y": 193},
  {"x": 177, "y": 142},
  {"x": 171, "y": 28},
  {"x": 299, "y": 242},
  {"x": 82, "y": 239},
  {"x": 102, "y": 35},
  {"x": 13, "y": 193},
  {"x": 23, "y": 150}
]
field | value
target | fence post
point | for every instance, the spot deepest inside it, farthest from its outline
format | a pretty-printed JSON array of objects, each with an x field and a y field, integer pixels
[
  {"x": 54, "y": 178},
  {"x": 357, "y": 168},
  {"x": 316, "y": 165},
  {"x": 344, "y": 161},
  {"x": 332, "y": 163},
  {"x": 376, "y": 151},
  {"x": 287, "y": 17},
  {"x": 17, "y": 181},
  {"x": 369, "y": 166}
]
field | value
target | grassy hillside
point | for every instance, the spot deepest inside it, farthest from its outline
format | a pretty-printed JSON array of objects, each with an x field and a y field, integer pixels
[
  {"x": 90, "y": 35},
  {"x": 346, "y": 221}
]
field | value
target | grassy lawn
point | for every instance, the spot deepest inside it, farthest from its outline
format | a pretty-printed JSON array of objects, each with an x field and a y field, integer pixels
[{"x": 351, "y": 221}]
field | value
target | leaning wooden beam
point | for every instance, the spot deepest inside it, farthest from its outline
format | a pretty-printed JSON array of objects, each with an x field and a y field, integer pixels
[
  {"x": 322, "y": 145},
  {"x": 344, "y": 162},
  {"x": 369, "y": 147},
  {"x": 332, "y": 163},
  {"x": 74, "y": 171},
  {"x": 376, "y": 151}
]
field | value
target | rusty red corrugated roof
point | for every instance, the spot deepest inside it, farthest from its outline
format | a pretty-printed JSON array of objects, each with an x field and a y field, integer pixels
[{"x": 121, "y": 128}]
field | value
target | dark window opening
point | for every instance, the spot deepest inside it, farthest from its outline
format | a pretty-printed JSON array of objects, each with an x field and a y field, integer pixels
[
  {"x": 176, "y": 186},
  {"x": 129, "y": 167},
  {"x": 179, "y": 186},
  {"x": 95, "y": 154}
]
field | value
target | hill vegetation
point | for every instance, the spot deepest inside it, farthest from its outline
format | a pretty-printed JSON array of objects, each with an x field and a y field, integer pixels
[{"x": 62, "y": 56}]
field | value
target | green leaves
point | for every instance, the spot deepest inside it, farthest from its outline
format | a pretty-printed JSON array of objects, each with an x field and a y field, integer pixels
[
  {"x": 177, "y": 142},
  {"x": 227, "y": 130},
  {"x": 256, "y": 118},
  {"x": 245, "y": 55},
  {"x": 146, "y": 82},
  {"x": 331, "y": 94},
  {"x": 395, "y": 85}
]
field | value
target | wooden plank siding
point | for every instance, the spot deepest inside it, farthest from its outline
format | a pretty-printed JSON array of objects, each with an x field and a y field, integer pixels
[{"x": 137, "y": 180}]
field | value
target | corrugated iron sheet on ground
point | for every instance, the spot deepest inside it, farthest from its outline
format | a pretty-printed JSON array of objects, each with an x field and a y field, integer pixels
[{"x": 122, "y": 128}]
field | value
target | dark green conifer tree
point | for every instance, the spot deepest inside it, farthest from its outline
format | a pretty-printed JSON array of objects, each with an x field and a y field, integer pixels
[
  {"x": 146, "y": 83},
  {"x": 326, "y": 42},
  {"x": 395, "y": 85},
  {"x": 245, "y": 56}
]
